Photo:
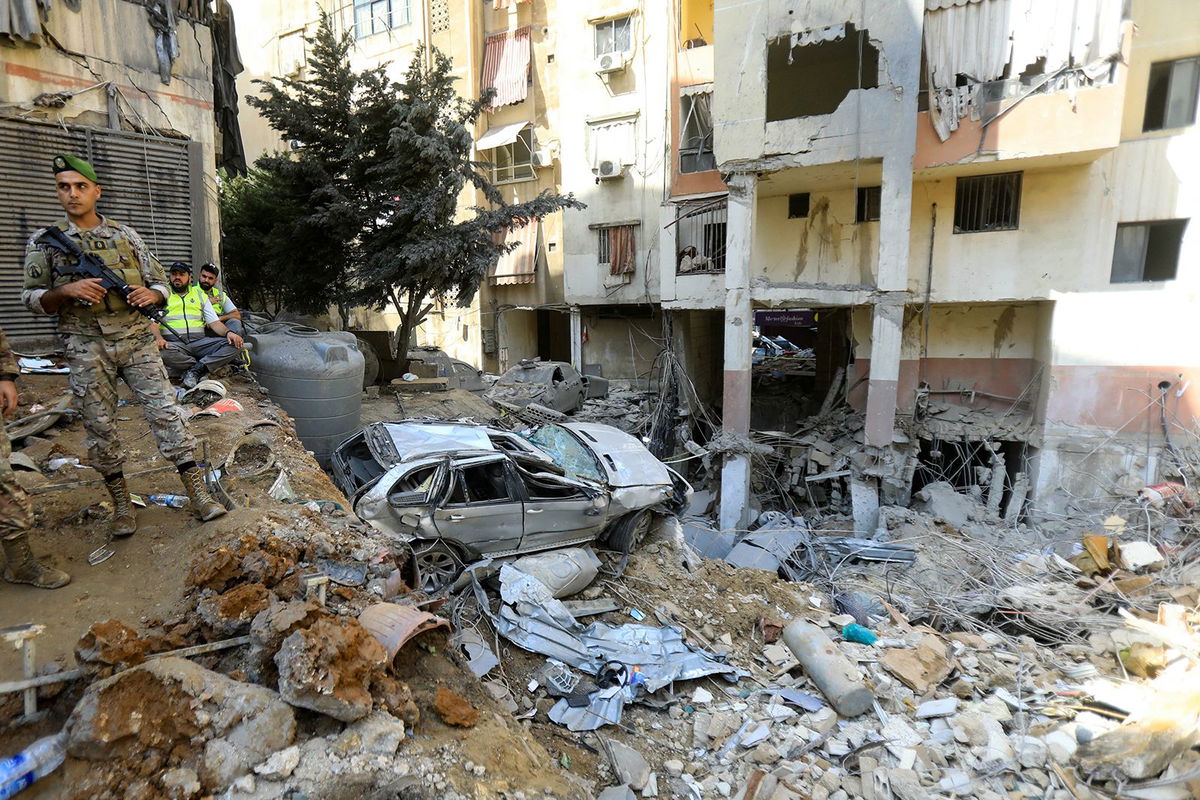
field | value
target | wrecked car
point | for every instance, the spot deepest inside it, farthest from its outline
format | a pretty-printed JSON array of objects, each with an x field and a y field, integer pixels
[
  {"x": 553, "y": 384},
  {"x": 458, "y": 373},
  {"x": 458, "y": 492}
]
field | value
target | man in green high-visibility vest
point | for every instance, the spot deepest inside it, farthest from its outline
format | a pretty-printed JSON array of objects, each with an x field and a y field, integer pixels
[{"x": 192, "y": 352}]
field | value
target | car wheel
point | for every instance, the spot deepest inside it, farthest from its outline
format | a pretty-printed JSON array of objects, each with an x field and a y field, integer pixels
[
  {"x": 629, "y": 531},
  {"x": 437, "y": 565}
]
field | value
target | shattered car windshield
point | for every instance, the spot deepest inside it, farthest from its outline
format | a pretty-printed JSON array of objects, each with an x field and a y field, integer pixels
[{"x": 566, "y": 451}]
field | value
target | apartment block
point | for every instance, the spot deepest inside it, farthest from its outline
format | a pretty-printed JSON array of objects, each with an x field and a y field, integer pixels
[{"x": 980, "y": 205}]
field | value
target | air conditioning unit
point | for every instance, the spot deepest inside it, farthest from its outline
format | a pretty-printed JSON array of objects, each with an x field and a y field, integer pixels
[
  {"x": 543, "y": 157},
  {"x": 611, "y": 62},
  {"x": 607, "y": 170}
]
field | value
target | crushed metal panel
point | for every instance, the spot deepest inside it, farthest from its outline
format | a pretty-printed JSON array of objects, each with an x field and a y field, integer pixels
[
  {"x": 625, "y": 459},
  {"x": 412, "y": 439}
]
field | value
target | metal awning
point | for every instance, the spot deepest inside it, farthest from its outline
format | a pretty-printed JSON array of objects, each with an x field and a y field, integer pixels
[{"x": 498, "y": 137}]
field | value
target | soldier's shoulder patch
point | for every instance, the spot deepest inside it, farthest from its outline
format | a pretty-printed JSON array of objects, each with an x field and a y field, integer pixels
[{"x": 35, "y": 270}]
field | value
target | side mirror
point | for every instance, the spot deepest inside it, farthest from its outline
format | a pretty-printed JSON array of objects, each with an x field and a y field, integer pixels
[{"x": 410, "y": 520}]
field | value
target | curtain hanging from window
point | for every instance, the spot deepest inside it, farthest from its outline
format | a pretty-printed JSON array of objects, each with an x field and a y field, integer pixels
[{"x": 622, "y": 250}]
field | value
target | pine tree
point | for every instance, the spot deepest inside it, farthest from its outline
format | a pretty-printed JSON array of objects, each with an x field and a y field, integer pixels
[{"x": 368, "y": 201}]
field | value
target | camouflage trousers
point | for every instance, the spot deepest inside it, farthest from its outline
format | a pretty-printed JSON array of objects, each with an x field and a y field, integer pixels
[
  {"x": 16, "y": 513},
  {"x": 95, "y": 363}
]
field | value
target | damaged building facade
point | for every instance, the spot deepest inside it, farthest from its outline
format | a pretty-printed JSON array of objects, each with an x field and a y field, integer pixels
[
  {"x": 130, "y": 86},
  {"x": 985, "y": 247}
]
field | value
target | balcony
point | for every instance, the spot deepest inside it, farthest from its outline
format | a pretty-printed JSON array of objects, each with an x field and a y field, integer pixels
[{"x": 1017, "y": 122}]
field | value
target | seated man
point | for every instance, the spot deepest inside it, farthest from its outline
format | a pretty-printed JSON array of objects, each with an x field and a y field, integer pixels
[
  {"x": 227, "y": 312},
  {"x": 188, "y": 350}
]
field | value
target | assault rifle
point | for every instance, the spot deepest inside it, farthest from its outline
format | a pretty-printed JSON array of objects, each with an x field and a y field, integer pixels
[{"x": 90, "y": 264}]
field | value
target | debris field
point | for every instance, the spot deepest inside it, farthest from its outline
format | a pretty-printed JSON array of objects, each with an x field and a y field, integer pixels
[{"x": 951, "y": 648}]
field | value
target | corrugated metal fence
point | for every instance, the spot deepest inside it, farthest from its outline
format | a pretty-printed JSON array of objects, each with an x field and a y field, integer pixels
[{"x": 146, "y": 180}]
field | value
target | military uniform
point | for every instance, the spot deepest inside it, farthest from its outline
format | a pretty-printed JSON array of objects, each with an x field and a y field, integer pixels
[
  {"x": 16, "y": 512},
  {"x": 109, "y": 339}
]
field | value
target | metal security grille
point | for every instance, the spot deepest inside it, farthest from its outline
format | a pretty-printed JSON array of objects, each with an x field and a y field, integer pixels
[
  {"x": 702, "y": 224},
  {"x": 987, "y": 203},
  {"x": 146, "y": 180}
]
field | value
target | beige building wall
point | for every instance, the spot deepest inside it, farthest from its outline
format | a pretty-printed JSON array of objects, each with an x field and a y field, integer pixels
[{"x": 111, "y": 43}]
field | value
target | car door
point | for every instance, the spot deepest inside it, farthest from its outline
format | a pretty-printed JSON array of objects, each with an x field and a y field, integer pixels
[
  {"x": 559, "y": 510},
  {"x": 482, "y": 508}
]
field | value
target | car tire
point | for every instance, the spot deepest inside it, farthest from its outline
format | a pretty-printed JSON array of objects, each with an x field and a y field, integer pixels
[
  {"x": 629, "y": 531},
  {"x": 437, "y": 565}
]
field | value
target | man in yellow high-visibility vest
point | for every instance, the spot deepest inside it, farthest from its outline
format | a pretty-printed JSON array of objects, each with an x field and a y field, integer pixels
[
  {"x": 192, "y": 352},
  {"x": 227, "y": 312}
]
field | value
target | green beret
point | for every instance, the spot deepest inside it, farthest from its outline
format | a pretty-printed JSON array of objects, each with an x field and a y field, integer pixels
[{"x": 65, "y": 163}]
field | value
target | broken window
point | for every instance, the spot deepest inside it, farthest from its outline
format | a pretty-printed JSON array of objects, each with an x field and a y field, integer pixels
[
  {"x": 867, "y": 208},
  {"x": 1147, "y": 251},
  {"x": 413, "y": 488},
  {"x": 696, "y": 133},
  {"x": 614, "y": 36},
  {"x": 482, "y": 483},
  {"x": 544, "y": 487},
  {"x": 798, "y": 205},
  {"x": 377, "y": 16},
  {"x": 987, "y": 203},
  {"x": 513, "y": 161},
  {"x": 1171, "y": 95},
  {"x": 810, "y": 73}
]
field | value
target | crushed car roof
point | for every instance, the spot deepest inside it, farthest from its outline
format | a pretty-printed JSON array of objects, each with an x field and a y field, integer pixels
[{"x": 402, "y": 441}]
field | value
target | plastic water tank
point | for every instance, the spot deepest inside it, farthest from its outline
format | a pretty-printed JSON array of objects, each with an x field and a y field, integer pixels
[{"x": 316, "y": 377}]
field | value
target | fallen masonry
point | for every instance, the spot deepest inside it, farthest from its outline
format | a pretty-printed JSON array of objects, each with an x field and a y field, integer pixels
[{"x": 911, "y": 644}]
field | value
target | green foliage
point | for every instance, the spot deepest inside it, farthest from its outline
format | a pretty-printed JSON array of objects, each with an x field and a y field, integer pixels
[{"x": 365, "y": 211}]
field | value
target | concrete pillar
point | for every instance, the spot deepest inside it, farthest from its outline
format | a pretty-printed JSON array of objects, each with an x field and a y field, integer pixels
[
  {"x": 576, "y": 339},
  {"x": 739, "y": 335},
  {"x": 886, "y": 332}
]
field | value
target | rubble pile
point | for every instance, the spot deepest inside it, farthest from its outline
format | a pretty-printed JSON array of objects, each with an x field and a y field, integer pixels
[{"x": 624, "y": 408}]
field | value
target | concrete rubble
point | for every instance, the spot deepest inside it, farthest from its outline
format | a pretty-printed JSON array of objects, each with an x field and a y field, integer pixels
[{"x": 860, "y": 639}]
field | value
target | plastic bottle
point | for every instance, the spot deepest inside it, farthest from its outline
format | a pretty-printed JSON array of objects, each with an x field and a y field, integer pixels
[
  {"x": 32, "y": 764},
  {"x": 171, "y": 500}
]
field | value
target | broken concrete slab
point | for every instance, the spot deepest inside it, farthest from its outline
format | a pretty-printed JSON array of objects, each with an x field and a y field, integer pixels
[
  {"x": 329, "y": 667},
  {"x": 922, "y": 668},
  {"x": 280, "y": 765},
  {"x": 942, "y": 501},
  {"x": 628, "y": 764},
  {"x": 211, "y": 723}
]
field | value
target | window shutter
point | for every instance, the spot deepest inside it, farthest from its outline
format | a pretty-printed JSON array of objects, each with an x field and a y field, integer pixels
[{"x": 146, "y": 181}]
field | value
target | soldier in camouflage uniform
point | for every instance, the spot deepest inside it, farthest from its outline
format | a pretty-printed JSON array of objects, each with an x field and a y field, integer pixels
[
  {"x": 105, "y": 337},
  {"x": 16, "y": 516}
]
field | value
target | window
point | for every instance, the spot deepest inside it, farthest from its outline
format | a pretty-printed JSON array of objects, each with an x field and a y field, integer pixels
[
  {"x": 714, "y": 244},
  {"x": 696, "y": 133},
  {"x": 614, "y": 36},
  {"x": 483, "y": 483},
  {"x": 1147, "y": 251},
  {"x": 616, "y": 248},
  {"x": 514, "y": 162},
  {"x": 377, "y": 16},
  {"x": 798, "y": 205},
  {"x": 987, "y": 203},
  {"x": 1171, "y": 95},
  {"x": 867, "y": 209}
]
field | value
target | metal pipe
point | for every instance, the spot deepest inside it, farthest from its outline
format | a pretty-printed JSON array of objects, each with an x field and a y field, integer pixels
[{"x": 8, "y": 687}]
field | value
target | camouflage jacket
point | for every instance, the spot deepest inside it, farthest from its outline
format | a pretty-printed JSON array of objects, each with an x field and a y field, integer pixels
[
  {"x": 8, "y": 362},
  {"x": 121, "y": 249}
]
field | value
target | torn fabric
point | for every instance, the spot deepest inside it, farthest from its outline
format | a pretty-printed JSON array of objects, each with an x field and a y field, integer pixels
[
  {"x": 506, "y": 67},
  {"x": 519, "y": 265},
  {"x": 612, "y": 140},
  {"x": 981, "y": 39},
  {"x": 166, "y": 42},
  {"x": 21, "y": 22},
  {"x": 227, "y": 65}
]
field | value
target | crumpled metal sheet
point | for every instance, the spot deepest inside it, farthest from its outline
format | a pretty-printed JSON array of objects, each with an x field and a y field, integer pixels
[{"x": 654, "y": 656}]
